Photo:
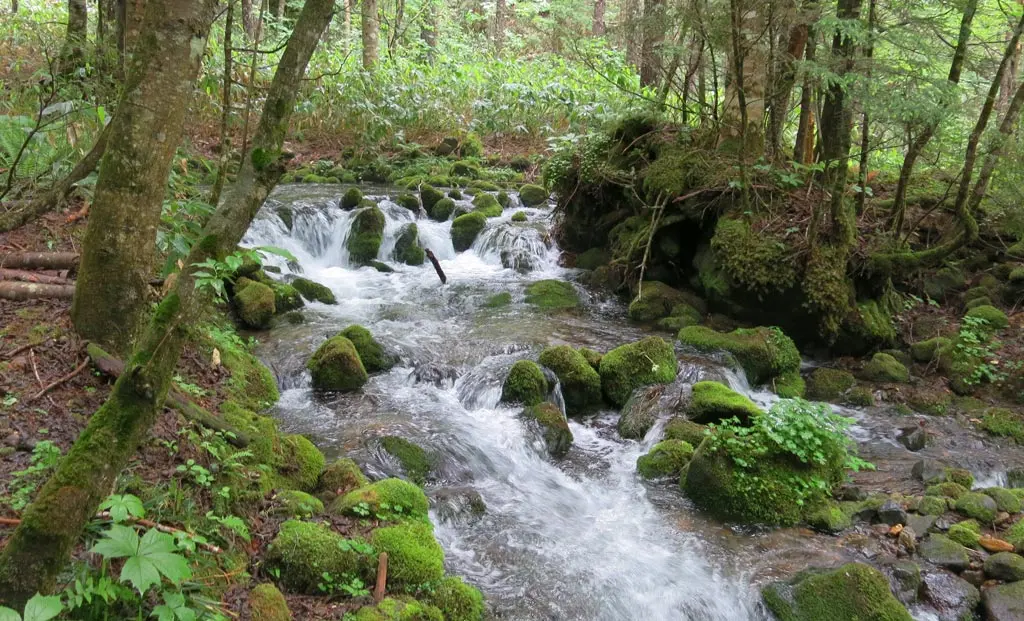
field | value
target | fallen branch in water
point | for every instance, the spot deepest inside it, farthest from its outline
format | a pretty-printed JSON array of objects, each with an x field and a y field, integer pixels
[{"x": 437, "y": 266}]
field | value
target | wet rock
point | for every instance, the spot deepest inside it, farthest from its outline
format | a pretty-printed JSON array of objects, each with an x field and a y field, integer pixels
[
  {"x": 944, "y": 552},
  {"x": 1005, "y": 603},
  {"x": 853, "y": 591},
  {"x": 665, "y": 460},
  {"x": 913, "y": 438},
  {"x": 649, "y": 361},
  {"x": 1005, "y": 566},
  {"x": 904, "y": 580},
  {"x": 458, "y": 505},
  {"x": 920, "y": 523},
  {"x": 930, "y": 471},
  {"x": 640, "y": 412},
  {"x": 436, "y": 374},
  {"x": 944, "y": 523},
  {"x": 849, "y": 491},
  {"x": 977, "y": 506},
  {"x": 581, "y": 385},
  {"x": 712, "y": 403},
  {"x": 892, "y": 513},
  {"x": 525, "y": 384},
  {"x": 336, "y": 366},
  {"x": 953, "y": 597},
  {"x": 829, "y": 518},
  {"x": 553, "y": 427},
  {"x": 974, "y": 576}
]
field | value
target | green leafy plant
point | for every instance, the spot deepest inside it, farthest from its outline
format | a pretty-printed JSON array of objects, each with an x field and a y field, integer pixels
[
  {"x": 197, "y": 472},
  {"x": 352, "y": 586},
  {"x": 39, "y": 608},
  {"x": 122, "y": 507},
  {"x": 24, "y": 483},
  {"x": 146, "y": 559},
  {"x": 977, "y": 342}
]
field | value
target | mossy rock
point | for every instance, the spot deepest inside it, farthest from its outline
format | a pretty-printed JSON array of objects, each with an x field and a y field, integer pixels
[
  {"x": 976, "y": 302},
  {"x": 640, "y": 413},
  {"x": 498, "y": 300},
  {"x": 519, "y": 216},
  {"x": 414, "y": 556},
  {"x": 927, "y": 350},
  {"x": 381, "y": 267},
  {"x": 944, "y": 282},
  {"x": 1005, "y": 499},
  {"x": 593, "y": 357},
  {"x": 525, "y": 384},
  {"x": 351, "y": 199},
  {"x": 1015, "y": 535},
  {"x": 336, "y": 366},
  {"x": 415, "y": 461},
  {"x": 465, "y": 228},
  {"x": 682, "y": 429},
  {"x": 297, "y": 504},
  {"x": 254, "y": 303},
  {"x": 628, "y": 367},
  {"x": 944, "y": 552},
  {"x": 932, "y": 505},
  {"x": 302, "y": 463},
  {"x": 485, "y": 186},
  {"x": 266, "y": 603},
  {"x": 342, "y": 477},
  {"x": 365, "y": 235},
  {"x": 860, "y": 396},
  {"x": 885, "y": 368},
  {"x": 852, "y": 592},
  {"x": 713, "y": 402},
  {"x": 408, "y": 201},
  {"x": 407, "y": 246},
  {"x": 593, "y": 258},
  {"x": 454, "y": 193},
  {"x": 391, "y": 609},
  {"x": 371, "y": 353},
  {"x": 457, "y": 600},
  {"x": 829, "y": 384},
  {"x": 581, "y": 384},
  {"x": 829, "y": 518},
  {"x": 381, "y": 498},
  {"x": 553, "y": 425},
  {"x": 487, "y": 204},
  {"x": 314, "y": 291},
  {"x": 1003, "y": 422},
  {"x": 946, "y": 490},
  {"x": 657, "y": 300},
  {"x": 994, "y": 318},
  {"x": 286, "y": 296},
  {"x": 764, "y": 353},
  {"x": 303, "y": 551},
  {"x": 977, "y": 506},
  {"x": 789, "y": 385},
  {"x": 928, "y": 400},
  {"x": 960, "y": 476},
  {"x": 533, "y": 195},
  {"x": 430, "y": 196},
  {"x": 665, "y": 459},
  {"x": 552, "y": 295},
  {"x": 966, "y": 533},
  {"x": 442, "y": 209},
  {"x": 682, "y": 316},
  {"x": 504, "y": 200}
]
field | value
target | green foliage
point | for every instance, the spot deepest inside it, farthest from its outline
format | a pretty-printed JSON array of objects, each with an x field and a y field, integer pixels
[
  {"x": 24, "y": 483},
  {"x": 122, "y": 507},
  {"x": 38, "y": 608},
  {"x": 147, "y": 559}
]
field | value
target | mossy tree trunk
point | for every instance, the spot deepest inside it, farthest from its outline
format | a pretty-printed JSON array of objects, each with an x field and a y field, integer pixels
[
  {"x": 72, "y": 55},
  {"x": 371, "y": 33},
  {"x": 782, "y": 87},
  {"x": 653, "y": 36},
  {"x": 803, "y": 145},
  {"x": 41, "y": 545},
  {"x": 118, "y": 254}
]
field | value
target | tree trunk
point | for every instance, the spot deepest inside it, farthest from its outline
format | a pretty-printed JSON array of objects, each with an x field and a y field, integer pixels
[
  {"x": 597, "y": 28},
  {"x": 428, "y": 30},
  {"x": 865, "y": 125},
  {"x": 371, "y": 33},
  {"x": 499, "y": 25},
  {"x": 782, "y": 89},
  {"x": 225, "y": 114},
  {"x": 41, "y": 546},
  {"x": 631, "y": 31},
  {"x": 653, "y": 36},
  {"x": 119, "y": 252},
  {"x": 803, "y": 146},
  {"x": 743, "y": 113},
  {"x": 248, "y": 19},
  {"x": 72, "y": 55}
]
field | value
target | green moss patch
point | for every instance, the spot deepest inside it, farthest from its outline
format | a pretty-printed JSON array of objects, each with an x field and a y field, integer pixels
[
  {"x": 351, "y": 198},
  {"x": 336, "y": 366},
  {"x": 254, "y": 303},
  {"x": 465, "y": 228},
  {"x": 268, "y": 604},
  {"x": 314, "y": 291},
  {"x": 525, "y": 384},
  {"x": 713, "y": 402},
  {"x": 457, "y": 600},
  {"x": 665, "y": 459},
  {"x": 342, "y": 476},
  {"x": 414, "y": 556},
  {"x": 365, "y": 236},
  {"x": 552, "y": 295},
  {"x": 829, "y": 384},
  {"x": 407, "y": 246},
  {"x": 415, "y": 461},
  {"x": 533, "y": 195},
  {"x": 764, "y": 353},
  {"x": 851, "y": 592},
  {"x": 303, "y": 551},
  {"x": 627, "y": 367},
  {"x": 295, "y": 503},
  {"x": 371, "y": 353},
  {"x": 884, "y": 368},
  {"x": 487, "y": 205},
  {"x": 381, "y": 498},
  {"x": 580, "y": 383}
]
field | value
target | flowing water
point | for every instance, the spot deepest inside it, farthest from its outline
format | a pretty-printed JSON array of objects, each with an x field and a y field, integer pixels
[{"x": 577, "y": 538}]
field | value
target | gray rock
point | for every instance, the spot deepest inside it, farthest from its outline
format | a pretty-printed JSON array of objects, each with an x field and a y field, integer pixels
[
  {"x": 458, "y": 505},
  {"x": 974, "y": 576},
  {"x": 640, "y": 412},
  {"x": 904, "y": 580},
  {"x": 914, "y": 438},
  {"x": 849, "y": 491},
  {"x": 1005, "y": 566},
  {"x": 944, "y": 523},
  {"x": 1005, "y": 603},
  {"x": 892, "y": 513},
  {"x": 944, "y": 552},
  {"x": 930, "y": 471},
  {"x": 920, "y": 523},
  {"x": 953, "y": 598}
]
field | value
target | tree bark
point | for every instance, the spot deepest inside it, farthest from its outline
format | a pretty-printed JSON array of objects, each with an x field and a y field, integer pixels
[
  {"x": 73, "y": 53},
  {"x": 782, "y": 89},
  {"x": 119, "y": 252},
  {"x": 632, "y": 32},
  {"x": 803, "y": 146},
  {"x": 428, "y": 30},
  {"x": 865, "y": 123},
  {"x": 11, "y": 290},
  {"x": 743, "y": 113},
  {"x": 653, "y": 36},
  {"x": 371, "y": 34},
  {"x": 225, "y": 113},
  {"x": 41, "y": 546},
  {"x": 248, "y": 19},
  {"x": 39, "y": 260},
  {"x": 597, "y": 28},
  {"x": 499, "y": 25}
]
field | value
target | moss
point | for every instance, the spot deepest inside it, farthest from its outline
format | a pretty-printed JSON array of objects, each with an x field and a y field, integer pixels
[
  {"x": 301, "y": 465},
  {"x": 960, "y": 476},
  {"x": 554, "y": 427},
  {"x": 533, "y": 195},
  {"x": 926, "y": 351},
  {"x": 454, "y": 193},
  {"x": 266, "y": 603},
  {"x": 829, "y": 518},
  {"x": 870, "y": 326},
  {"x": 254, "y": 303},
  {"x": 414, "y": 556},
  {"x": 966, "y": 533},
  {"x": 789, "y": 385},
  {"x": 860, "y": 396},
  {"x": 504, "y": 200},
  {"x": 593, "y": 258},
  {"x": 251, "y": 383},
  {"x": 829, "y": 384},
  {"x": 415, "y": 461},
  {"x": 849, "y": 593},
  {"x": 627, "y": 367},
  {"x": 487, "y": 205},
  {"x": 681, "y": 316},
  {"x": 994, "y": 318},
  {"x": 408, "y": 201},
  {"x": 407, "y": 246},
  {"x": 581, "y": 385},
  {"x": 681, "y": 429},
  {"x": 525, "y": 384},
  {"x": 946, "y": 490},
  {"x": 942, "y": 283},
  {"x": 457, "y": 600},
  {"x": 665, "y": 459},
  {"x": 713, "y": 402},
  {"x": 430, "y": 196},
  {"x": 656, "y": 300},
  {"x": 295, "y": 503},
  {"x": 498, "y": 300},
  {"x": 465, "y": 228},
  {"x": 1015, "y": 535},
  {"x": 371, "y": 353},
  {"x": 763, "y": 353},
  {"x": 485, "y": 186},
  {"x": 756, "y": 261},
  {"x": 303, "y": 551},
  {"x": 390, "y": 609},
  {"x": 976, "y": 302},
  {"x": 336, "y": 366},
  {"x": 314, "y": 291},
  {"x": 442, "y": 209},
  {"x": 342, "y": 477},
  {"x": 380, "y": 266},
  {"x": 978, "y": 506},
  {"x": 932, "y": 505},
  {"x": 519, "y": 216},
  {"x": 1003, "y": 422},
  {"x": 352, "y": 198},
  {"x": 552, "y": 295},
  {"x": 365, "y": 236},
  {"x": 593, "y": 357},
  {"x": 381, "y": 498},
  {"x": 1005, "y": 499},
  {"x": 932, "y": 401},
  {"x": 885, "y": 368}
]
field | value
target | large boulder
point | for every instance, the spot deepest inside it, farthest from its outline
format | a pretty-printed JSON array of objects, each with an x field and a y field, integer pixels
[
  {"x": 1005, "y": 602},
  {"x": 885, "y": 368},
  {"x": 764, "y": 353},
  {"x": 465, "y": 228},
  {"x": 303, "y": 551},
  {"x": 953, "y": 598},
  {"x": 254, "y": 303},
  {"x": 351, "y": 199},
  {"x": 314, "y": 291},
  {"x": 371, "y": 353},
  {"x": 525, "y": 384},
  {"x": 381, "y": 498},
  {"x": 657, "y": 300},
  {"x": 336, "y": 366},
  {"x": 533, "y": 195},
  {"x": 713, "y": 402},
  {"x": 487, "y": 204},
  {"x": 365, "y": 236},
  {"x": 665, "y": 459},
  {"x": 944, "y": 552},
  {"x": 552, "y": 295},
  {"x": 407, "y": 246},
  {"x": 457, "y": 600},
  {"x": 581, "y": 385},
  {"x": 414, "y": 556},
  {"x": 554, "y": 429},
  {"x": 829, "y": 384},
  {"x": 852, "y": 592},
  {"x": 628, "y": 367},
  {"x": 442, "y": 209},
  {"x": 430, "y": 196}
]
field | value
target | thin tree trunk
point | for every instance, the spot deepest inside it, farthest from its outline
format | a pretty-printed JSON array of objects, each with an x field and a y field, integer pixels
[
  {"x": 248, "y": 19},
  {"x": 119, "y": 252},
  {"x": 597, "y": 28},
  {"x": 865, "y": 124},
  {"x": 803, "y": 146},
  {"x": 371, "y": 34},
  {"x": 428, "y": 31},
  {"x": 631, "y": 31},
  {"x": 14, "y": 7},
  {"x": 225, "y": 115},
  {"x": 73, "y": 53},
  {"x": 782, "y": 88},
  {"x": 499, "y": 25},
  {"x": 743, "y": 112},
  {"x": 653, "y": 36},
  {"x": 42, "y": 543},
  {"x": 346, "y": 30}
]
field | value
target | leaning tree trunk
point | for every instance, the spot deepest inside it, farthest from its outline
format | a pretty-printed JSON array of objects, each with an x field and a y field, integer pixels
[
  {"x": 782, "y": 88},
  {"x": 72, "y": 55},
  {"x": 112, "y": 299},
  {"x": 41, "y": 545},
  {"x": 371, "y": 34}
]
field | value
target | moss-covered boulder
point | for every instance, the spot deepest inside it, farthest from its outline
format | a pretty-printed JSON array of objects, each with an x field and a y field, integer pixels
[
  {"x": 314, "y": 291},
  {"x": 829, "y": 517},
  {"x": 679, "y": 428},
  {"x": 960, "y": 476},
  {"x": 351, "y": 199},
  {"x": 552, "y": 295},
  {"x": 946, "y": 490},
  {"x": 294, "y": 503},
  {"x": 554, "y": 428},
  {"x": 303, "y": 551},
  {"x": 764, "y": 353},
  {"x": 487, "y": 205},
  {"x": 371, "y": 353},
  {"x": 525, "y": 384},
  {"x": 442, "y": 209},
  {"x": 1006, "y": 500},
  {"x": 681, "y": 316},
  {"x": 627, "y": 367},
  {"x": 885, "y": 368},
  {"x": 457, "y": 600},
  {"x": 829, "y": 384},
  {"x": 465, "y": 228},
  {"x": 430, "y": 196},
  {"x": 414, "y": 556},
  {"x": 853, "y": 592},
  {"x": 994, "y": 318},
  {"x": 519, "y": 216},
  {"x": 254, "y": 303},
  {"x": 415, "y": 462},
  {"x": 336, "y": 366},
  {"x": 665, "y": 459},
  {"x": 365, "y": 236},
  {"x": 301, "y": 464},
  {"x": 581, "y": 385},
  {"x": 408, "y": 201},
  {"x": 593, "y": 357},
  {"x": 927, "y": 350},
  {"x": 978, "y": 506},
  {"x": 268, "y": 604},
  {"x": 942, "y": 551},
  {"x": 533, "y": 195},
  {"x": 391, "y": 609},
  {"x": 381, "y": 498},
  {"x": 593, "y": 258},
  {"x": 966, "y": 533},
  {"x": 713, "y": 402},
  {"x": 407, "y": 246},
  {"x": 342, "y": 477},
  {"x": 1005, "y": 566},
  {"x": 657, "y": 300}
]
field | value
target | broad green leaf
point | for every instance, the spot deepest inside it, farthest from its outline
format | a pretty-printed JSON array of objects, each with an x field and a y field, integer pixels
[
  {"x": 123, "y": 506},
  {"x": 118, "y": 542},
  {"x": 42, "y": 608},
  {"x": 6, "y": 614},
  {"x": 281, "y": 252},
  {"x": 141, "y": 573}
]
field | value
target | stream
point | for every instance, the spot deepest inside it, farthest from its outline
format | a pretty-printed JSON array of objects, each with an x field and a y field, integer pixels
[{"x": 578, "y": 538}]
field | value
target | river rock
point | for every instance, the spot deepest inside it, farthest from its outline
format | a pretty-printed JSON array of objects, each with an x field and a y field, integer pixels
[
  {"x": 580, "y": 383},
  {"x": 336, "y": 366},
  {"x": 554, "y": 429},
  {"x": 904, "y": 580},
  {"x": 640, "y": 412},
  {"x": 892, "y": 513},
  {"x": 944, "y": 552},
  {"x": 458, "y": 505},
  {"x": 953, "y": 598},
  {"x": 1005, "y": 566},
  {"x": 1005, "y": 603},
  {"x": 921, "y": 523},
  {"x": 853, "y": 591},
  {"x": 913, "y": 438},
  {"x": 930, "y": 471}
]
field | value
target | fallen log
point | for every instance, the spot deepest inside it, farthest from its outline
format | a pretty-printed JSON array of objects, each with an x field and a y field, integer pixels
[
  {"x": 437, "y": 266},
  {"x": 23, "y": 276},
  {"x": 12, "y": 290},
  {"x": 39, "y": 260},
  {"x": 176, "y": 400}
]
